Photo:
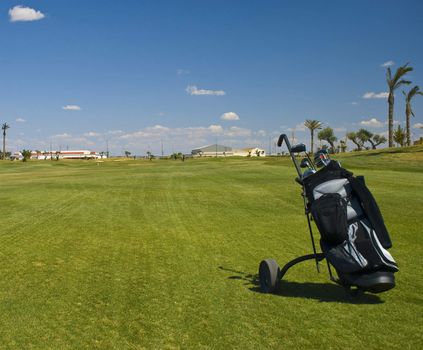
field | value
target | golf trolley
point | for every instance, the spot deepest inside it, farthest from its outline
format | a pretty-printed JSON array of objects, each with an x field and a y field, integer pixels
[{"x": 353, "y": 236}]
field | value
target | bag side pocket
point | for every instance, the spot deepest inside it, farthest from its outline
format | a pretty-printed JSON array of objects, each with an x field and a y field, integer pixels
[{"x": 330, "y": 214}]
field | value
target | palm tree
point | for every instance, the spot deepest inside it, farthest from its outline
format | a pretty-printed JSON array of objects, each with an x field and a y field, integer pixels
[
  {"x": 4, "y": 127},
  {"x": 408, "y": 111},
  {"x": 399, "y": 136},
  {"x": 394, "y": 83},
  {"x": 312, "y": 125},
  {"x": 26, "y": 154}
]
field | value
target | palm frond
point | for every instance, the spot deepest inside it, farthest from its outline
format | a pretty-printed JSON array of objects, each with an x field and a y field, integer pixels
[
  {"x": 396, "y": 81},
  {"x": 401, "y": 82},
  {"x": 388, "y": 76},
  {"x": 313, "y": 124},
  {"x": 413, "y": 92}
]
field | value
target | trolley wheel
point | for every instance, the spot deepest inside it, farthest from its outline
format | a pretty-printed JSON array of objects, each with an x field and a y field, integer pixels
[{"x": 269, "y": 272}]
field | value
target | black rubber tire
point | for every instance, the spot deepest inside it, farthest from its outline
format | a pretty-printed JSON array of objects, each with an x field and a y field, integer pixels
[{"x": 269, "y": 272}]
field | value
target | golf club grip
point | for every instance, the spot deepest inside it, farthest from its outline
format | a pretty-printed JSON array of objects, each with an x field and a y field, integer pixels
[{"x": 281, "y": 138}]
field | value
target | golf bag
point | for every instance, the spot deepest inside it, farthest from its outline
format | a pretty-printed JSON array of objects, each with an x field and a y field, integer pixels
[{"x": 354, "y": 238}]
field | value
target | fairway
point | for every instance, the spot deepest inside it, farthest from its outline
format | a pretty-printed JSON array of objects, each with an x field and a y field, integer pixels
[{"x": 137, "y": 254}]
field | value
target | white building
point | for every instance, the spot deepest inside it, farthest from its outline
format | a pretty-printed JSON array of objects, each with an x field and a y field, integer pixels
[
  {"x": 70, "y": 154},
  {"x": 212, "y": 151},
  {"x": 224, "y": 151},
  {"x": 250, "y": 152}
]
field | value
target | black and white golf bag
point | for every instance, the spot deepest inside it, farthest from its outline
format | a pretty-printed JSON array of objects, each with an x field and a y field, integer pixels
[{"x": 354, "y": 238}]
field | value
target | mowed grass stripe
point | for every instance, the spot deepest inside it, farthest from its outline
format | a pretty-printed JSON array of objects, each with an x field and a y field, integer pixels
[{"x": 164, "y": 254}]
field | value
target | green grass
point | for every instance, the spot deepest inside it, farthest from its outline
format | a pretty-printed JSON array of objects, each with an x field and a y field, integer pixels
[{"x": 164, "y": 254}]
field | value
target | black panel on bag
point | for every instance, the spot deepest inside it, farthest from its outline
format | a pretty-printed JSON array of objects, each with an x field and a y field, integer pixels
[{"x": 330, "y": 214}]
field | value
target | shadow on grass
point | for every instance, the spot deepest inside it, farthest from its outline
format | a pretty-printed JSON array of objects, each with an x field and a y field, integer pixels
[{"x": 323, "y": 292}]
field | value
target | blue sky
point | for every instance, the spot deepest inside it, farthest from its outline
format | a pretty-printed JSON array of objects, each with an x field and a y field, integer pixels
[{"x": 131, "y": 73}]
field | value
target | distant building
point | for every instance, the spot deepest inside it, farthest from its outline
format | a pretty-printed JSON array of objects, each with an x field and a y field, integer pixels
[
  {"x": 224, "y": 151},
  {"x": 77, "y": 154},
  {"x": 250, "y": 152},
  {"x": 212, "y": 151}
]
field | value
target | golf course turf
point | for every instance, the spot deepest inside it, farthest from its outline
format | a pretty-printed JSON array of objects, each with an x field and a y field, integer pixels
[{"x": 138, "y": 254}]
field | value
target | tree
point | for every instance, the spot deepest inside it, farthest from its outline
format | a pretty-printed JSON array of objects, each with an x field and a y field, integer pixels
[
  {"x": 343, "y": 146},
  {"x": 364, "y": 136},
  {"x": 312, "y": 125},
  {"x": 399, "y": 136},
  {"x": 377, "y": 140},
  {"x": 150, "y": 155},
  {"x": 26, "y": 154},
  {"x": 327, "y": 135},
  {"x": 352, "y": 136},
  {"x": 394, "y": 82},
  {"x": 408, "y": 111},
  {"x": 127, "y": 154},
  {"x": 4, "y": 127}
]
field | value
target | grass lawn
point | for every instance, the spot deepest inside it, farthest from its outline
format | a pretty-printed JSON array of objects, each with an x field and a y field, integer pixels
[{"x": 164, "y": 254}]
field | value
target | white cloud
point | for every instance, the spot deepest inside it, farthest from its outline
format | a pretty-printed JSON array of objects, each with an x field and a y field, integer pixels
[
  {"x": 354, "y": 103},
  {"x": 92, "y": 134},
  {"x": 71, "y": 141},
  {"x": 193, "y": 90},
  {"x": 216, "y": 129},
  {"x": 139, "y": 141},
  {"x": 71, "y": 108},
  {"x": 298, "y": 127},
  {"x": 235, "y": 131},
  {"x": 229, "y": 116},
  {"x": 24, "y": 14},
  {"x": 160, "y": 127},
  {"x": 372, "y": 122},
  {"x": 65, "y": 135},
  {"x": 369, "y": 95},
  {"x": 20, "y": 120},
  {"x": 182, "y": 71},
  {"x": 340, "y": 129},
  {"x": 387, "y": 64},
  {"x": 134, "y": 135},
  {"x": 19, "y": 143},
  {"x": 418, "y": 126},
  {"x": 115, "y": 132}
]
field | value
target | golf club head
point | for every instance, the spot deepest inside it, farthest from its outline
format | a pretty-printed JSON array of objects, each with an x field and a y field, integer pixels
[
  {"x": 308, "y": 172},
  {"x": 305, "y": 163},
  {"x": 298, "y": 148},
  {"x": 321, "y": 158}
]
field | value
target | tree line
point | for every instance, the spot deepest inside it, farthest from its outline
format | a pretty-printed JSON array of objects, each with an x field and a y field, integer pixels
[{"x": 365, "y": 139}]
